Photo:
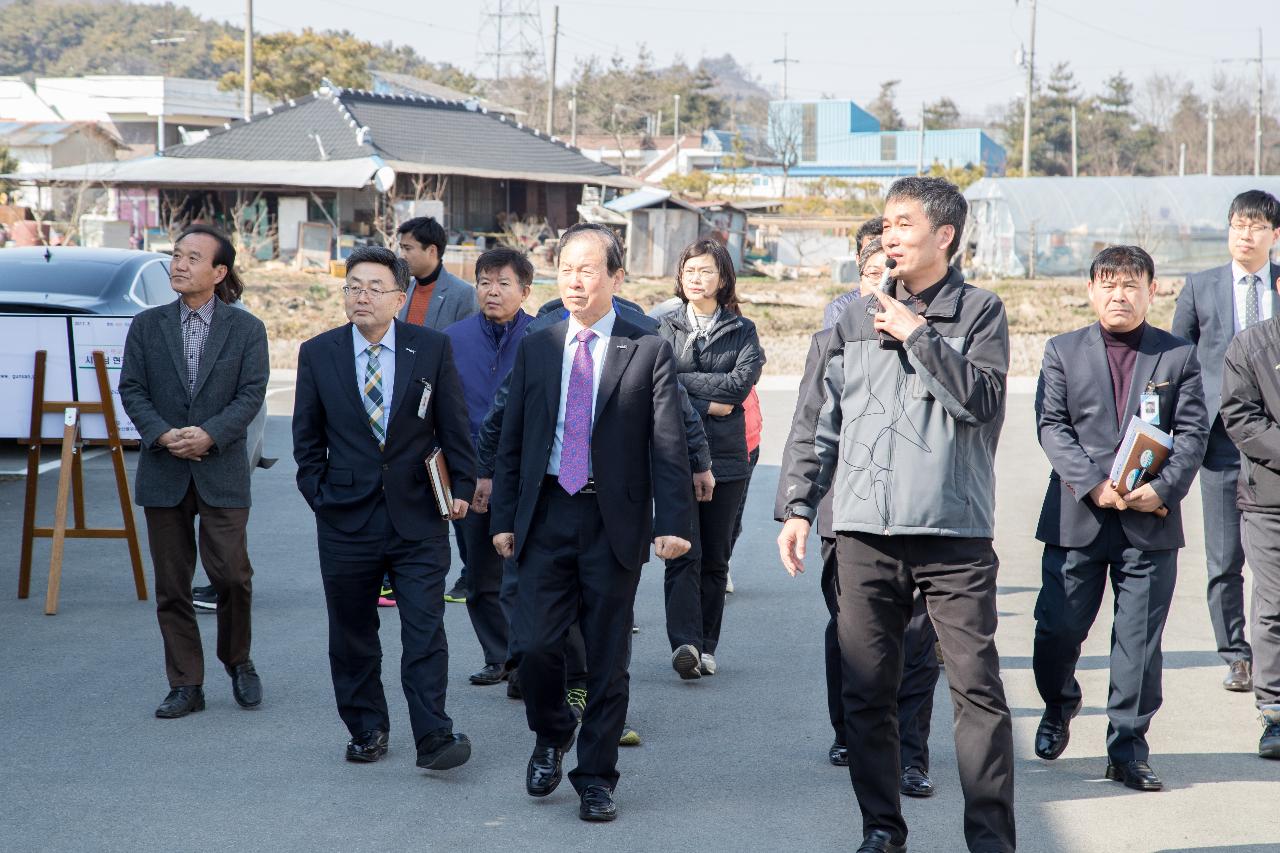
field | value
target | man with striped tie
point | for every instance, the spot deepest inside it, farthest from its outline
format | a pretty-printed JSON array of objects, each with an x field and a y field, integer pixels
[{"x": 374, "y": 397}]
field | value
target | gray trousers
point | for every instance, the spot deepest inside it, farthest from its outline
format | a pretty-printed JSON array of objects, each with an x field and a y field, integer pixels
[
  {"x": 1223, "y": 550},
  {"x": 1072, "y": 584},
  {"x": 1262, "y": 544}
]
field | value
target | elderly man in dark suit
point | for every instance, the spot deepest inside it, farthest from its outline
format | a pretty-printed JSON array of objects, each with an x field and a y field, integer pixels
[
  {"x": 374, "y": 398},
  {"x": 194, "y": 377},
  {"x": 592, "y": 463},
  {"x": 1213, "y": 307},
  {"x": 1094, "y": 382}
]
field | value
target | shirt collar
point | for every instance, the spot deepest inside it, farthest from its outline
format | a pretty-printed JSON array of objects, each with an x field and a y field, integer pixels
[
  {"x": 1238, "y": 272},
  {"x": 361, "y": 343},
  {"x": 204, "y": 312},
  {"x": 602, "y": 327}
]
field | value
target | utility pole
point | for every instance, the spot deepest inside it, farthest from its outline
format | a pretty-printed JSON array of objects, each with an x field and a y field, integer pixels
[
  {"x": 1257, "y": 115},
  {"x": 551, "y": 80},
  {"x": 920, "y": 144},
  {"x": 248, "y": 59},
  {"x": 1074, "y": 171},
  {"x": 1026, "y": 107},
  {"x": 784, "y": 62},
  {"x": 676, "y": 132},
  {"x": 1208, "y": 148},
  {"x": 1182, "y": 160},
  {"x": 573, "y": 117}
]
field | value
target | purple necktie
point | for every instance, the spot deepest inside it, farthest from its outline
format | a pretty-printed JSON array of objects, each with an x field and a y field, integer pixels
[{"x": 575, "y": 450}]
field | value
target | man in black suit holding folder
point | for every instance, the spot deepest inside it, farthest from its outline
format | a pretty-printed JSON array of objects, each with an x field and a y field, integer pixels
[
  {"x": 1093, "y": 383},
  {"x": 592, "y": 466},
  {"x": 374, "y": 398}
]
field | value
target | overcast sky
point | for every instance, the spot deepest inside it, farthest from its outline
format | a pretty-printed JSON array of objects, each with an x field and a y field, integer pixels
[{"x": 965, "y": 50}]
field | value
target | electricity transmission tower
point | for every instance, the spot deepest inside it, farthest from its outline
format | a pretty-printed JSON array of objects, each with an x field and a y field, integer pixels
[{"x": 511, "y": 37}]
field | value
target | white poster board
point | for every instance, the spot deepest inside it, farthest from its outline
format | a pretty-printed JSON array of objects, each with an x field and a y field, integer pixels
[
  {"x": 90, "y": 333},
  {"x": 21, "y": 335}
]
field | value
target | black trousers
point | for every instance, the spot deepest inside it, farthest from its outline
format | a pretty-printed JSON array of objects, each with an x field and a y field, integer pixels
[
  {"x": 484, "y": 588},
  {"x": 752, "y": 458},
  {"x": 1223, "y": 545},
  {"x": 352, "y": 566},
  {"x": 1262, "y": 543},
  {"x": 224, "y": 551},
  {"x": 876, "y": 579},
  {"x": 1072, "y": 584},
  {"x": 567, "y": 573},
  {"x": 695, "y": 582},
  {"x": 919, "y": 671}
]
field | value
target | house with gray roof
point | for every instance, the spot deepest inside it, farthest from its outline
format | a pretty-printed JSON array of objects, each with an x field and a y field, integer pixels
[{"x": 348, "y": 156}]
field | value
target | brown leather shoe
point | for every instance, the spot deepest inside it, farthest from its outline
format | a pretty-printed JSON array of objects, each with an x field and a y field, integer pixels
[{"x": 1239, "y": 677}]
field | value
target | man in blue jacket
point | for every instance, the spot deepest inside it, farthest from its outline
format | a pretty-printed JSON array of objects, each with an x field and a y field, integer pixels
[{"x": 484, "y": 347}]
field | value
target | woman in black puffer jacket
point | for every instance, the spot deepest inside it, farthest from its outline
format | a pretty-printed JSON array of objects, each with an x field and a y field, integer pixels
[{"x": 719, "y": 359}]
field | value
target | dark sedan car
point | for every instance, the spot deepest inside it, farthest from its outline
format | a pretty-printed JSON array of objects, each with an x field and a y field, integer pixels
[{"x": 76, "y": 280}]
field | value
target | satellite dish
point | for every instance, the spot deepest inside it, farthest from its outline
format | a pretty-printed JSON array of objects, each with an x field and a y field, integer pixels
[{"x": 384, "y": 179}]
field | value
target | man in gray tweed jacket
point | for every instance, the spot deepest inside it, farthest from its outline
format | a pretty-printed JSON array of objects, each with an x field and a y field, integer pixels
[{"x": 194, "y": 376}]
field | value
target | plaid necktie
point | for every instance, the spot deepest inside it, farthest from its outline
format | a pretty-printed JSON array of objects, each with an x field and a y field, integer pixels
[
  {"x": 373, "y": 394},
  {"x": 1252, "y": 310},
  {"x": 575, "y": 451}
]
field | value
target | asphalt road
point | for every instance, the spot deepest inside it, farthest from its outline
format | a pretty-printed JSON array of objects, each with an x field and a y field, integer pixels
[{"x": 735, "y": 763}]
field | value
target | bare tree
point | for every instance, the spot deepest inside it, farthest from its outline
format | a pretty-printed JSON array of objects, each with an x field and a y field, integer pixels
[
  {"x": 785, "y": 137},
  {"x": 386, "y": 218}
]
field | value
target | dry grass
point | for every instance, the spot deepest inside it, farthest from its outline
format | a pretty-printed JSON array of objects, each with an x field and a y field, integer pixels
[{"x": 296, "y": 306}]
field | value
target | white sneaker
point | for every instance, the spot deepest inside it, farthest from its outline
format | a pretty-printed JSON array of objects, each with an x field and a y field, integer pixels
[
  {"x": 684, "y": 660},
  {"x": 708, "y": 664},
  {"x": 728, "y": 584}
]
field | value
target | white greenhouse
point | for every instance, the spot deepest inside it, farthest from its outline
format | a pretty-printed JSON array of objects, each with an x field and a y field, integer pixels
[{"x": 1182, "y": 222}]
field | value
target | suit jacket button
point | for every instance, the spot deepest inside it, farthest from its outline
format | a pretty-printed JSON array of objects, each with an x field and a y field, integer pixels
[{"x": 386, "y": 467}]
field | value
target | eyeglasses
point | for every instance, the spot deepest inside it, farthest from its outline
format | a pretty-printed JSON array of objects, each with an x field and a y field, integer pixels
[
  {"x": 357, "y": 292},
  {"x": 1253, "y": 230},
  {"x": 704, "y": 274}
]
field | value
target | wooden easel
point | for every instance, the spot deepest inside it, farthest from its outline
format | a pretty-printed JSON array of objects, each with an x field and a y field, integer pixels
[{"x": 71, "y": 481}]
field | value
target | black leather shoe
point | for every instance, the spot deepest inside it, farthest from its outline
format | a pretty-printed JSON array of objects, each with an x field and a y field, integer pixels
[
  {"x": 180, "y": 702},
  {"x": 597, "y": 804},
  {"x": 1269, "y": 744},
  {"x": 838, "y": 754},
  {"x": 1239, "y": 677},
  {"x": 246, "y": 686},
  {"x": 1137, "y": 775},
  {"x": 1052, "y": 735},
  {"x": 916, "y": 782},
  {"x": 367, "y": 747},
  {"x": 513, "y": 685},
  {"x": 443, "y": 750},
  {"x": 879, "y": 841},
  {"x": 545, "y": 768},
  {"x": 491, "y": 674}
]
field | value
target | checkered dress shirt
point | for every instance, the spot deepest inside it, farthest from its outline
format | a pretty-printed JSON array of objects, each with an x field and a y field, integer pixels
[{"x": 195, "y": 331}]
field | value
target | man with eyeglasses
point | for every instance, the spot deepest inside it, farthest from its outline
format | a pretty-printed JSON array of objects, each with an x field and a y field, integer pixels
[
  {"x": 1213, "y": 307},
  {"x": 374, "y": 398}
]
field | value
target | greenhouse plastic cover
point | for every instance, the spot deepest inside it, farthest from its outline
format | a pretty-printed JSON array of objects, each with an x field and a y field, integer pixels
[{"x": 1181, "y": 221}]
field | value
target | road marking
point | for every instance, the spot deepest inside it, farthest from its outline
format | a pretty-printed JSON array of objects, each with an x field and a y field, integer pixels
[{"x": 54, "y": 464}]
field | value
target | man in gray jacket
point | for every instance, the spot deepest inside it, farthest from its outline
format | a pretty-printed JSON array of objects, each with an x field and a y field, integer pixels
[
  {"x": 914, "y": 403},
  {"x": 194, "y": 376}
]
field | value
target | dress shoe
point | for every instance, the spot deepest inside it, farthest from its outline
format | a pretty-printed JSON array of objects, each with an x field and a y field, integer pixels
[
  {"x": 443, "y": 751},
  {"x": 246, "y": 686},
  {"x": 879, "y": 841},
  {"x": 180, "y": 702},
  {"x": 838, "y": 754},
  {"x": 1052, "y": 735},
  {"x": 597, "y": 804},
  {"x": 545, "y": 768},
  {"x": 491, "y": 674},
  {"x": 686, "y": 661},
  {"x": 1269, "y": 744},
  {"x": 513, "y": 685},
  {"x": 1137, "y": 775},
  {"x": 367, "y": 747},
  {"x": 916, "y": 782},
  {"x": 1239, "y": 677}
]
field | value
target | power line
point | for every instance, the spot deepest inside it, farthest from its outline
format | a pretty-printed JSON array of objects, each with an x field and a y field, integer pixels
[{"x": 511, "y": 32}]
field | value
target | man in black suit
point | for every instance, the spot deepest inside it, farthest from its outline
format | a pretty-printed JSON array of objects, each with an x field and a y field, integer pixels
[
  {"x": 591, "y": 464},
  {"x": 1215, "y": 306},
  {"x": 194, "y": 376},
  {"x": 374, "y": 398},
  {"x": 1093, "y": 383}
]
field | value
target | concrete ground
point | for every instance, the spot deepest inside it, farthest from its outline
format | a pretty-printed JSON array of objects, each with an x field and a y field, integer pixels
[{"x": 736, "y": 762}]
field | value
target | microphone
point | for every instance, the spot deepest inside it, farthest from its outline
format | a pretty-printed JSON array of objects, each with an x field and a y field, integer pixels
[{"x": 887, "y": 341}]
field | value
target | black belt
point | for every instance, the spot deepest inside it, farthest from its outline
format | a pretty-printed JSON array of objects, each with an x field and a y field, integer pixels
[{"x": 552, "y": 480}]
